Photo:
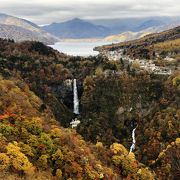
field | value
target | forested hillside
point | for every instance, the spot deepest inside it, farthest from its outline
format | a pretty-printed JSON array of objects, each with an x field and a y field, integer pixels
[
  {"x": 34, "y": 146},
  {"x": 36, "y": 108},
  {"x": 163, "y": 43}
]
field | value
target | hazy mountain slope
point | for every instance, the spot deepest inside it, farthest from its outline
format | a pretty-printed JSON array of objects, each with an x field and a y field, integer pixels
[
  {"x": 20, "y": 34},
  {"x": 76, "y": 28},
  {"x": 144, "y": 47},
  {"x": 150, "y": 23},
  {"x": 11, "y": 20},
  {"x": 126, "y": 36},
  {"x": 132, "y": 35},
  {"x": 138, "y": 24},
  {"x": 20, "y": 29}
]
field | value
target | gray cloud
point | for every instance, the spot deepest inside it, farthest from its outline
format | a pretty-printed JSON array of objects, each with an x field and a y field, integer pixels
[{"x": 47, "y": 11}]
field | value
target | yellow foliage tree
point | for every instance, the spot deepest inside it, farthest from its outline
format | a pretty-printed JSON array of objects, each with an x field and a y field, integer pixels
[
  {"x": 118, "y": 148},
  {"x": 4, "y": 161},
  {"x": 18, "y": 159}
]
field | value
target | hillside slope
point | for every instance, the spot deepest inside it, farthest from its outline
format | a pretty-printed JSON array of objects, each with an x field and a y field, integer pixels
[
  {"x": 34, "y": 146},
  {"x": 127, "y": 36},
  {"x": 113, "y": 101},
  {"x": 20, "y": 30},
  {"x": 144, "y": 47}
]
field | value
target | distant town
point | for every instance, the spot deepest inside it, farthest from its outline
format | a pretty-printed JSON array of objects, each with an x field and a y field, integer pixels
[{"x": 143, "y": 64}]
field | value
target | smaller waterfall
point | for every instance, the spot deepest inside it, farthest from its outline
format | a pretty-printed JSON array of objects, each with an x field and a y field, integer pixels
[
  {"x": 75, "y": 100},
  {"x": 134, "y": 140}
]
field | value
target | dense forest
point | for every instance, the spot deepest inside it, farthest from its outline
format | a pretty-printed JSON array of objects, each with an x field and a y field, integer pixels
[{"x": 36, "y": 107}]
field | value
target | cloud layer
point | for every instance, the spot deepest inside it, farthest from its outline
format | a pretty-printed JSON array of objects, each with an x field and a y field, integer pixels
[{"x": 48, "y": 11}]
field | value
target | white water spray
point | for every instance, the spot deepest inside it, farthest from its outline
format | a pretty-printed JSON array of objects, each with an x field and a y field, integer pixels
[
  {"x": 134, "y": 140},
  {"x": 75, "y": 100}
]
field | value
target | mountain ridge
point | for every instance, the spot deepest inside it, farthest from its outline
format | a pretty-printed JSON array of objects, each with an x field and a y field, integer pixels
[
  {"x": 144, "y": 47},
  {"x": 76, "y": 28},
  {"x": 82, "y": 29},
  {"x": 136, "y": 24},
  {"x": 21, "y": 29}
]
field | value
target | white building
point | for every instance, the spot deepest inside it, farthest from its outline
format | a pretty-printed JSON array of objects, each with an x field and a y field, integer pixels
[{"x": 74, "y": 123}]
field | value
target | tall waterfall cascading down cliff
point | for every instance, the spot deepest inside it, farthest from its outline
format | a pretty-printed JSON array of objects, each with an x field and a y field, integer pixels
[
  {"x": 75, "y": 97},
  {"x": 74, "y": 123}
]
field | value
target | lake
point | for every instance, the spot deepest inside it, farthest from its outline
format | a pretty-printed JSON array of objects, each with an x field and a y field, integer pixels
[{"x": 78, "y": 48}]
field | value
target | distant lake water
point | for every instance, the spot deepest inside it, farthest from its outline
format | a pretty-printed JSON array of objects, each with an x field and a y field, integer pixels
[{"x": 78, "y": 48}]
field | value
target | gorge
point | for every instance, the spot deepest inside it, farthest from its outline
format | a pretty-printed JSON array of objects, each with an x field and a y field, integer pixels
[
  {"x": 37, "y": 109},
  {"x": 89, "y": 90}
]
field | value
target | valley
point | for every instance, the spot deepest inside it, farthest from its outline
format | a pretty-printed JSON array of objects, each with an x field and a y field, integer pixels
[
  {"x": 125, "y": 106},
  {"x": 89, "y": 90}
]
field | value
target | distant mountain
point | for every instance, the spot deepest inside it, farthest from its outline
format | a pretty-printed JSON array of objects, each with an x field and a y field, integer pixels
[
  {"x": 77, "y": 28},
  {"x": 20, "y": 30},
  {"x": 150, "y": 29},
  {"x": 150, "y": 23},
  {"x": 126, "y": 36},
  {"x": 165, "y": 42},
  {"x": 117, "y": 26},
  {"x": 132, "y": 28}
]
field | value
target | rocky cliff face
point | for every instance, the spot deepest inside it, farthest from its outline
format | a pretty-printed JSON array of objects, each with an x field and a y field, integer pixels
[{"x": 109, "y": 104}]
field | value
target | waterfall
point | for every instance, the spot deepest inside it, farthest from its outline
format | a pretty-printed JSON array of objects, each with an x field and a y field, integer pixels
[
  {"x": 75, "y": 100},
  {"x": 134, "y": 140},
  {"x": 74, "y": 123}
]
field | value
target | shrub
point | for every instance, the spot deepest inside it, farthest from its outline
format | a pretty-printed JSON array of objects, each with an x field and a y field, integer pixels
[{"x": 4, "y": 161}]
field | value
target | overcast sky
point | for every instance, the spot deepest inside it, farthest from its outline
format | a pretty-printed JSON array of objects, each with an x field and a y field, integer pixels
[{"x": 47, "y": 11}]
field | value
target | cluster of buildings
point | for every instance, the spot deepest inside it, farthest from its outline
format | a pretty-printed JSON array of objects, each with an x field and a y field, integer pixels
[
  {"x": 143, "y": 64},
  {"x": 114, "y": 55},
  {"x": 152, "y": 68}
]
